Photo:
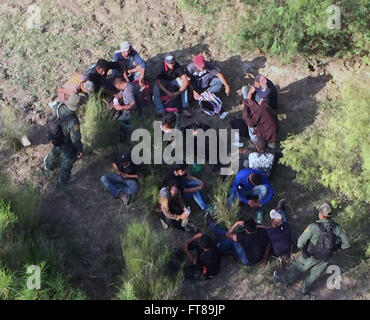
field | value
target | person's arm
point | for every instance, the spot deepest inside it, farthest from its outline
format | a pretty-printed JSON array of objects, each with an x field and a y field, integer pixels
[
  {"x": 242, "y": 175},
  {"x": 251, "y": 91},
  {"x": 305, "y": 237},
  {"x": 184, "y": 85},
  {"x": 194, "y": 189},
  {"x": 224, "y": 82},
  {"x": 269, "y": 195},
  {"x": 130, "y": 106},
  {"x": 343, "y": 238},
  {"x": 186, "y": 245},
  {"x": 164, "y": 89},
  {"x": 230, "y": 233}
]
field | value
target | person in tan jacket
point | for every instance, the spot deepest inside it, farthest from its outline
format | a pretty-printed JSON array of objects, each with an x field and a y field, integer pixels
[{"x": 171, "y": 208}]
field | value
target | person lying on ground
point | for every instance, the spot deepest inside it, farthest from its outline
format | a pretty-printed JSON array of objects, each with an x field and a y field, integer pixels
[
  {"x": 98, "y": 75},
  {"x": 64, "y": 133},
  {"x": 206, "y": 264},
  {"x": 77, "y": 84},
  {"x": 130, "y": 65},
  {"x": 171, "y": 209},
  {"x": 251, "y": 187},
  {"x": 262, "y": 124},
  {"x": 123, "y": 182},
  {"x": 129, "y": 97},
  {"x": 279, "y": 233},
  {"x": 250, "y": 245},
  {"x": 204, "y": 76},
  {"x": 189, "y": 186},
  {"x": 318, "y": 243},
  {"x": 263, "y": 91},
  {"x": 172, "y": 75}
]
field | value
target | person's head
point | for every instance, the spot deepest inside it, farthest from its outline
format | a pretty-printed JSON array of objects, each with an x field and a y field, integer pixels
[
  {"x": 126, "y": 158},
  {"x": 74, "y": 102},
  {"x": 173, "y": 187},
  {"x": 120, "y": 83},
  {"x": 255, "y": 179},
  {"x": 170, "y": 61},
  {"x": 250, "y": 225},
  {"x": 168, "y": 122},
  {"x": 276, "y": 218},
  {"x": 88, "y": 86},
  {"x": 125, "y": 49},
  {"x": 206, "y": 242},
  {"x": 260, "y": 81},
  {"x": 324, "y": 211},
  {"x": 199, "y": 61},
  {"x": 179, "y": 169},
  {"x": 102, "y": 67}
]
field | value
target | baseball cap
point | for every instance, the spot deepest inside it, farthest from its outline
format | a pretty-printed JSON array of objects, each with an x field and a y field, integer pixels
[
  {"x": 89, "y": 86},
  {"x": 124, "y": 46},
  {"x": 169, "y": 58},
  {"x": 275, "y": 215},
  {"x": 126, "y": 156},
  {"x": 324, "y": 209},
  {"x": 74, "y": 102},
  {"x": 199, "y": 61}
]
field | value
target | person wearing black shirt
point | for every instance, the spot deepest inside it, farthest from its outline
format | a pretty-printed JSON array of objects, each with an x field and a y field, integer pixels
[
  {"x": 98, "y": 75},
  {"x": 123, "y": 182},
  {"x": 190, "y": 186},
  {"x": 207, "y": 264},
  {"x": 250, "y": 245},
  {"x": 172, "y": 76}
]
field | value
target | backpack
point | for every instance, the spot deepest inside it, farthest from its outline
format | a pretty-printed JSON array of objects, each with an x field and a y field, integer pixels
[
  {"x": 325, "y": 245},
  {"x": 55, "y": 131},
  {"x": 209, "y": 103}
]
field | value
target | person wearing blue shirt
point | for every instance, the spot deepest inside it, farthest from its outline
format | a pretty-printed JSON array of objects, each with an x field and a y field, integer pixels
[
  {"x": 252, "y": 187},
  {"x": 132, "y": 66}
]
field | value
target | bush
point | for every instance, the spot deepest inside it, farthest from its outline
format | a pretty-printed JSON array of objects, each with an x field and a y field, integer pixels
[
  {"x": 336, "y": 154},
  {"x": 289, "y": 27},
  {"x": 7, "y": 217},
  {"x": 97, "y": 130},
  {"x": 146, "y": 254}
]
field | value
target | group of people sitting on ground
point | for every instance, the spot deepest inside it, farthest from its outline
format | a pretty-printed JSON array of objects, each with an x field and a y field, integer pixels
[{"x": 248, "y": 240}]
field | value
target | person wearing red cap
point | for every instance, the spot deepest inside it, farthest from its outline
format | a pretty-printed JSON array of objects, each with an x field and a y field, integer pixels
[{"x": 204, "y": 76}]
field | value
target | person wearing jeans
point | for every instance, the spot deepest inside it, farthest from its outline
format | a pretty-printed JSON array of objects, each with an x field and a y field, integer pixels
[
  {"x": 172, "y": 76},
  {"x": 116, "y": 184},
  {"x": 198, "y": 196}
]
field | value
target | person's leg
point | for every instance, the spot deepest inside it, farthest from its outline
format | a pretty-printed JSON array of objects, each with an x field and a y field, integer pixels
[
  {"x": 215, "y": 85},
  {"x": 184, "y": 95},
  {"x": 68, "y": 159},
  {"x": 224, "y": 245},
  {"x": 52, "y": 158},
  {"x": 300, "y": 266},
  {"x": 314, "y": 274},
  {"x": 253, "y": 134},
  {"x": 197, "y": 196},
  {"x": 159, "y": 108},
  {"x": 113, "y": 183},
  {"x": 240, "y": 252},
  {"x": 130, "y": 186}
]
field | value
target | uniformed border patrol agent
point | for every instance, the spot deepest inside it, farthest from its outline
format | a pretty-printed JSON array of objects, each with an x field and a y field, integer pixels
[
  {"x": 309, "y": 263},
  {"x": 72, "y": 148}
]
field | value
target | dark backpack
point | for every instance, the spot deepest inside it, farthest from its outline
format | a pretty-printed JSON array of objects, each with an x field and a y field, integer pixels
[
  {"x": 325, "y": 245},
  {"x": 55, "y": 130}
]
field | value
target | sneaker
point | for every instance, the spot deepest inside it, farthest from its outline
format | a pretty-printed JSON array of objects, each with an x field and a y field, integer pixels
[
  {"x": 186, "y": 113},
  {"x": 208, "y": 218},
  {"x": 164, "y": 225},
  {"x": 191, "y": 228},
  {"x": 223, "y": 115},
  {"x": 45, "y": 167},
  {"x": 281, "y": 205},
  {"x": 125, "y": 198}
]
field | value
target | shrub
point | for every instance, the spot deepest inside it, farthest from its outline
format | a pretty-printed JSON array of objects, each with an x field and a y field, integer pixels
[
  {"x": 336, "y": 154},
  {"x": 98, "y": 131},
  {"x": 146, "y": 254},
  {"x": 7, "y": 217}
]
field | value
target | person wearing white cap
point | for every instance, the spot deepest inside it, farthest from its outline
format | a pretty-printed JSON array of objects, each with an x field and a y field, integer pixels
[
  {"x": 172, "y": 76},
  {"x": 279, "y": 232},
  {"x": 132, "y": 66}
]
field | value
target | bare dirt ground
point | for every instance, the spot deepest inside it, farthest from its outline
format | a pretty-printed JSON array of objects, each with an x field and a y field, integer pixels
[{"x": 86, "y": 223}]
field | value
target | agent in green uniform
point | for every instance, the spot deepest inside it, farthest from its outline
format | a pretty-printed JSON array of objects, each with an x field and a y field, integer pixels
[
  {"x": 70, "y": 149},
  {"x": 309, "y": 243}
]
